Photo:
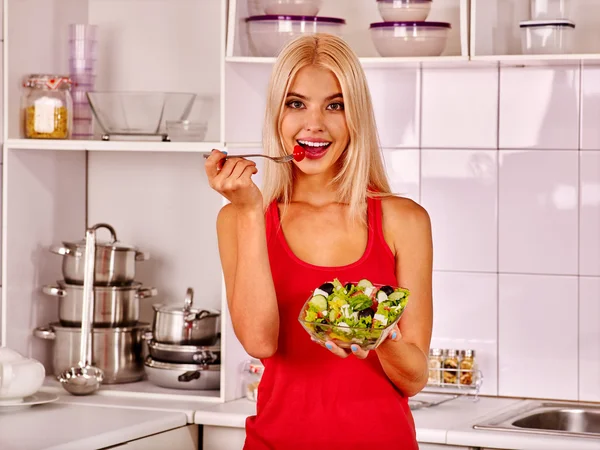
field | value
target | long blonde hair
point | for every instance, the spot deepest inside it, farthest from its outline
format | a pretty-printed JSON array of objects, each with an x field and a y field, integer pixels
[{"x": 362, "y": 171}]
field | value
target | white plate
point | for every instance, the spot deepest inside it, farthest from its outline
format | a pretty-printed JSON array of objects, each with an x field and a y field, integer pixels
[{"x": 36, "y": 399}]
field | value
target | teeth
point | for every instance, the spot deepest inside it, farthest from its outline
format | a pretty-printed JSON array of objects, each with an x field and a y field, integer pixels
[{"x": 314, "y": 144}]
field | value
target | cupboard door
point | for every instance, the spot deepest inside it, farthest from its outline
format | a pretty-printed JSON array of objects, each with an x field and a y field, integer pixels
[
  {"x": 183, "y": 438},
  {"x": 223, "y": 438}
]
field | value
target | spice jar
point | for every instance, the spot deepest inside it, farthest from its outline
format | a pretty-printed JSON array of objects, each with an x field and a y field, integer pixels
[
  {"x": 253, "y": 371},
  {"x": 47, "y": 106},
  {"x": 450, "y": 366},
  {"x": 435, "y": 366},
  {"x": 467, "y": 367}
]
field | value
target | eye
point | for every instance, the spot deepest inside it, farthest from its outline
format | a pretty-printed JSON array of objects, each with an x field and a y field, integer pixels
[
  {"x": 294, "y": 104},
  {"x": 338, "y": 106}
]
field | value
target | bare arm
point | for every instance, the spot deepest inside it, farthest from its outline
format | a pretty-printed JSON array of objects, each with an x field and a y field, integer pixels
[
  {"x": 405, "y": 360},
  {"x": 244, "y": 257}
]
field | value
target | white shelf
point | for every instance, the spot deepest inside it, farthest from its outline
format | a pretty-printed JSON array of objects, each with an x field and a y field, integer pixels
[
  {"x": 111, "y": 146},
  {"x": 142, "y": 389},
  {"x": 540, "y": 60}
]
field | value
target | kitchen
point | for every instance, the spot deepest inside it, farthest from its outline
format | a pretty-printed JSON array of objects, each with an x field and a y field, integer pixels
[{"x": 508, "y": 140}]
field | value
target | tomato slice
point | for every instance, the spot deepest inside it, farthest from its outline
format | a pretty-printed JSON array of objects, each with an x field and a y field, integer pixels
[{"x": 298, "y": 153}]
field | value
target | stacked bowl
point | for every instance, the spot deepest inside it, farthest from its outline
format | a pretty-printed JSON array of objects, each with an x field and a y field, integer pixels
[
  {"x": 405, "y": 32},
  {"x": 273, "y": 23},
  {"x": 184, "y": 347},
  {"x": 549, "y": 31},
  {"x": 83, "y": 47},
  {"x": 117, "y": 333}
]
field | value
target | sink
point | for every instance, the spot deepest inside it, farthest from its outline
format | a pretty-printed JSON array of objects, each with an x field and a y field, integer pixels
[{"x": 556, "y": 418}]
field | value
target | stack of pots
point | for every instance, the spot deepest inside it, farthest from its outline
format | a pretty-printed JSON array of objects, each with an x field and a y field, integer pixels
[
  {"x": 117, "y": 336},
  {"x": 184, "y": 347}
]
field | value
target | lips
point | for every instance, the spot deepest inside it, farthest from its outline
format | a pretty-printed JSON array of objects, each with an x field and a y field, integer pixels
[{"x": 314, "y": 149}]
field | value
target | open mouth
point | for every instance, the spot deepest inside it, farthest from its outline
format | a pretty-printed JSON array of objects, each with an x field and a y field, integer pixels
[{"x": 314, "y": 149}]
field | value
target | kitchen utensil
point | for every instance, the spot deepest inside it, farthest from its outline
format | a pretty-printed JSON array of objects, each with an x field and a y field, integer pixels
[
  {"x": 544, "y": 37},
  {"x": 185, "y": 325},
  {"x": 404, "y": 10},
  {"x": 114, "y": 306},
  {"x": 399, "y": 39},
  {"x": 20, "y": 377},
  {"x": 277, "y": 159},
  {"x": 186, "y": 131},
  {"x": 292, "y": 7},
  {"x": 117, "y": 351},
  {"x": 183, "y": 354},
  {"x": 415, "y": 404},
  {"x": 114, "y": 263},
  {"x": 270, "y": 33},
  {"x": 183, "y": 376},
  {"x": 39, "y": 398},
  {"x": 84, "y": 378},
  {"x": 139, "y": 113},
  {"x": 550, "y": 9}
]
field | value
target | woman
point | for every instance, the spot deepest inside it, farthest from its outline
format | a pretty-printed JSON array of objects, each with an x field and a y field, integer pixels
[{"x": 328, "y": 216}]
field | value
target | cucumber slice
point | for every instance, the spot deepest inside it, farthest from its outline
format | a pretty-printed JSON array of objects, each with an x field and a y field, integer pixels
[
  {"x": 364, "y": 283},
  {"x": 382, "y": 296},
  {"x": 395, "y": 296},
  {"x": 319, "y": 302},
  {"x": 319, "y": 291}
]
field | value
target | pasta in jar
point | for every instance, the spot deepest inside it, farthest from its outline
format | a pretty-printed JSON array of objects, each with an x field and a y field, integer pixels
[{"x": 47, "y": 107}]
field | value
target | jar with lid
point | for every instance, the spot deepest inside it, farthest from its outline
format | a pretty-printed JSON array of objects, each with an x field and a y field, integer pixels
[
  {"x": 47, "y": 106},
  {"x": 435, "y": 366},
  {"x": 450, "y": 367},
  {"x": 252, "y": 373},
  {"x": 467, "y": 367}
]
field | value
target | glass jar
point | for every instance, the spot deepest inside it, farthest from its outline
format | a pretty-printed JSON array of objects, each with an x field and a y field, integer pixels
[
  {"x": 450, "y": 367},
  {"x": 467, "y": 368},
  {"x": 252, "y": 373},
  {"x": 47, "y": 107},
  {"x": 435, "y": 366}
]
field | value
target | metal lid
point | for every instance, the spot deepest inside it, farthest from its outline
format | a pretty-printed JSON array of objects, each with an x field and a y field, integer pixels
[
  {"x": 113, "y": 244},
  {"x": 411, "y": 24},
  {"x": 177, "y": 366},
  {"x": 317, "y": 19},
  {"x": 435, "y": 352},
  {"x": 100, "y": 330},
  {"x": 49, "y": 82},
  {"x": 545, "y": 23},
  {"x": 186, "y": 309},
  {"x": 134, "y": 286},
  {"x": 185, "y": 348},
  {"x": 468, "y": 353},
  {"x": 452, "y": 353}
]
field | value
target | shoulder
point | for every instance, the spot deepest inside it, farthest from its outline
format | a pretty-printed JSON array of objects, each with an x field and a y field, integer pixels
[{"x": 405, "y": 221}]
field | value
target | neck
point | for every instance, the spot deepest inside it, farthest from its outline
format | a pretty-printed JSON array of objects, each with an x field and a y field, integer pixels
[{"x": 314, "y": 189}]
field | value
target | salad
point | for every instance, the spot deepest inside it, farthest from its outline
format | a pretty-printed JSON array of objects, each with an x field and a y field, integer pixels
[{"x": 350, "y": 313}]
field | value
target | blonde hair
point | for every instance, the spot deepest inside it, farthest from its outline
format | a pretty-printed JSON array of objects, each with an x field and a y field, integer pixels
[{"x": 362, "y": 171}]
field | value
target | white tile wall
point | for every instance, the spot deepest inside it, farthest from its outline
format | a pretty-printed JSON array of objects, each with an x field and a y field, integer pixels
[
  {"x": 539, "y": 108},
  {"x": 538, "y": 336},
  {"x": 458, "y": 189},
  {"x": 589, "y": 219},
  {"x": 590, "y": 108},
  {"x": 460, "y": 108},
  {"x": 589, "y": 339},
  {"x": 538, "y": 210},
  {"x": 465, "y": 317},
  {"x": 403, "y": 169}
]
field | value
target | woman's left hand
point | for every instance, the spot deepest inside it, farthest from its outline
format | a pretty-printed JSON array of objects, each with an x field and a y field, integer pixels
[{"x": 355, "y": 349}]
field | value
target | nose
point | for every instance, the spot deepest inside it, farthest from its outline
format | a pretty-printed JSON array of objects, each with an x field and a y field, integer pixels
[{"x": 314, "y": 120}]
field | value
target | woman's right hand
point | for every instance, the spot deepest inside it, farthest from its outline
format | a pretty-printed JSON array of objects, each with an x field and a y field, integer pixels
[{"x": 232, "y": 178}]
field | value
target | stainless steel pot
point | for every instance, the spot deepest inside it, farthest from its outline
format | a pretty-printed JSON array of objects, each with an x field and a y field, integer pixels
[
  {"x": 114, "y": 306},
  {"x": 115, "y": 262},
  {"x": 117, "y": 351},
  {"x": 185, "y": 325},
  {"x": 183, "y": 376},
  {"x": 183, "y": 354}
]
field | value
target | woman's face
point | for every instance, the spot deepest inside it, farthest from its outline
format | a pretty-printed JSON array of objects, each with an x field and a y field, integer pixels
[{"x": 314, "y": 118}]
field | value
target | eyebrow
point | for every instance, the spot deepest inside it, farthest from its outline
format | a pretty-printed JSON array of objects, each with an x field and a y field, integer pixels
[{"x": 303, "y": 97}]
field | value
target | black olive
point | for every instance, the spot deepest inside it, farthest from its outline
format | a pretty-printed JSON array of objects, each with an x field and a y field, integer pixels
[
  {"x": 348, "y": 286},
  {"x": 366, "y": 313},
  {"x": 327, "y": 287},
  {"x": 388, "y": 290}
]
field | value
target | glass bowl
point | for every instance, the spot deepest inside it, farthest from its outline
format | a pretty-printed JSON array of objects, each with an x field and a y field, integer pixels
[
  {"x": 344, "y": 335},
  {"x": 404, "y": 10}
]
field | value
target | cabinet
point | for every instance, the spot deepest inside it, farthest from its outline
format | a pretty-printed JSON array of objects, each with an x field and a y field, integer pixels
[{"x": 184, "y": 438}]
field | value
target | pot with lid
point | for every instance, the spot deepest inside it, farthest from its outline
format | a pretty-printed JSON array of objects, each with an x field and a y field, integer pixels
[
  {"x": 115, "y": 261},
  {"x": 185, "y": 325}
]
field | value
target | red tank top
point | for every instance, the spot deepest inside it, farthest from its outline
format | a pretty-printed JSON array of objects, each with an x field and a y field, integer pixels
[{"x": 308, "y": 397}]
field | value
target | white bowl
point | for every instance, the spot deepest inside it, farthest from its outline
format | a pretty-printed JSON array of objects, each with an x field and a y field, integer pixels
[
  {"x": 404, "y": 10},
  {"x": 405, "y": 39},
  {"x": 291, "y": 7},
  {"x": 550, "y": 9},
  {"x": 546, "y": 37},
  {"x": 20, "y": 377},
  {"x": 268, "y": 34}
]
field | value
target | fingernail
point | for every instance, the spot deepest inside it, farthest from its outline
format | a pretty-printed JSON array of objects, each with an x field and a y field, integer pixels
[
  {"x": 223, "y": 151},
  {"x": 329, "y": 346},
  {"x": 394, "y": 334},
  {"x": 354, "y": 347}
]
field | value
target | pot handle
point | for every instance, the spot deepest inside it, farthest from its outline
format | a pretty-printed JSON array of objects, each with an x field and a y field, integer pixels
[
  {"x": 147, "y": 292},
  {"x": 204, "y": 357},
  {"x": 188, "y": 300},
  {"x": 113, "y": 233},
  {"x": 147, "y": 335},
  {"x": 44, "y": 333},
  {"x": 59, "y": 250},
  {"x": 142, "y": 256},
  {"x": 189, "y": 376},
  {"x": 54, "y": 291}
]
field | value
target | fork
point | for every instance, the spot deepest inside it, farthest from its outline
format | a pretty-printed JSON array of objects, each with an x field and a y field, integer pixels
[{"x": 277, "y": 159}]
